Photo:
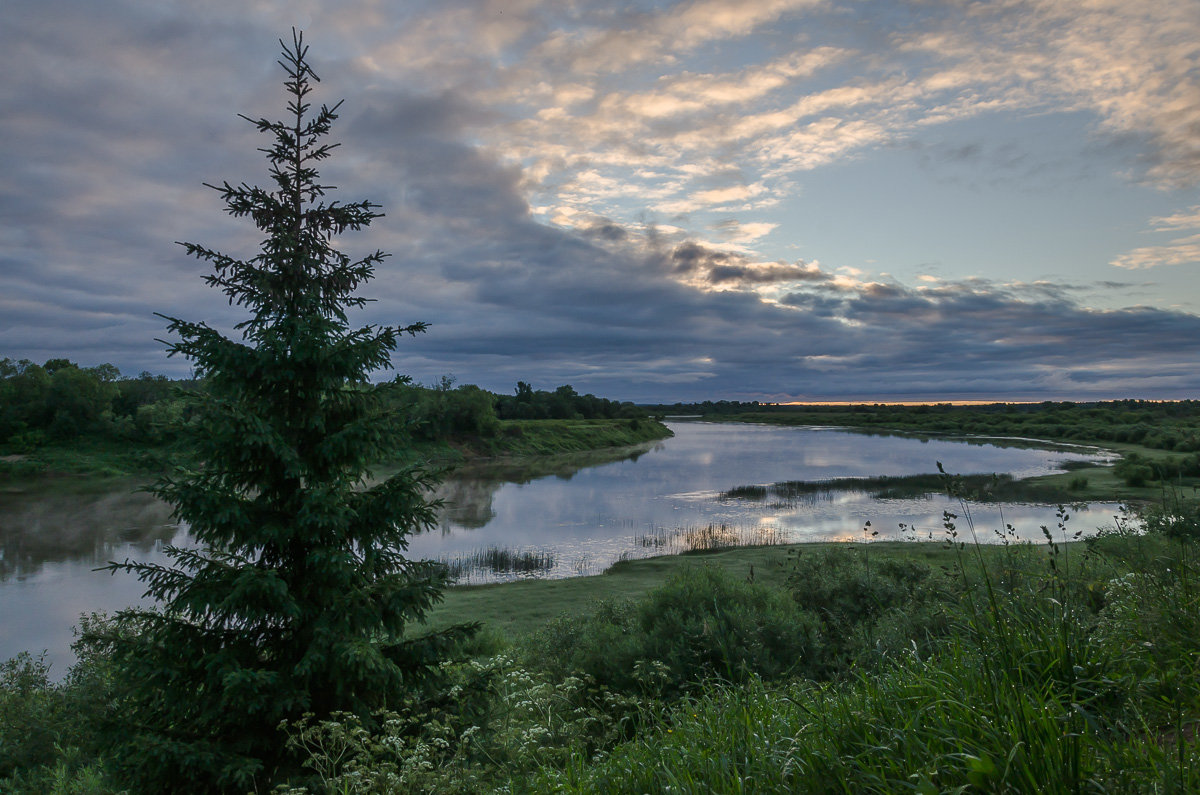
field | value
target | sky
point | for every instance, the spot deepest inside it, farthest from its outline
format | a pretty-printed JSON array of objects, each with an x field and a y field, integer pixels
[{"x": 649, "y": 200}]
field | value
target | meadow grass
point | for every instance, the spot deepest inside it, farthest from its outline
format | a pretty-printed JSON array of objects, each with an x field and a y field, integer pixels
[
  {"x": 1040, "y": 685},
  {"x": 519, "y": 608}
]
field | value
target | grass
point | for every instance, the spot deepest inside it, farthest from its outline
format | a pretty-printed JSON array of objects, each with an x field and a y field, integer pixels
[
  {"x": 1037, "y": 687},
  {"x": 708, "y": 538},
  {"x": 517, "y": 609},
  {"x": 549, "y": 442},
  {"x": 1061, "y": 667}
]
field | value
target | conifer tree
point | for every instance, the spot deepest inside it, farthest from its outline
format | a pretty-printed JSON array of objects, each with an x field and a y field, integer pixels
[{"x": 299, "y": 597}]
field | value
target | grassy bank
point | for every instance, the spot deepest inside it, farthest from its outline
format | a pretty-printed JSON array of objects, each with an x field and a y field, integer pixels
[
  {"x": 518, "y": 609},
  {"x": 97, "y": 458},
  {"x": 529, "y": 438}
]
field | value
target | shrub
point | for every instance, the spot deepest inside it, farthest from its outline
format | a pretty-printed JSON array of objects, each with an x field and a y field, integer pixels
[
  {"x": 881, "y": 606},
  {"x": 30, "y": 714},
  {"x": 1134, "y": 470},
  {"x": 701, "y": 624}
]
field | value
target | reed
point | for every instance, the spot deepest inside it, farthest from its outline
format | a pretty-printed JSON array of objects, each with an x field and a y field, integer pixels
[
  {"x": 707, "y": 538},
  {"x": 498, "y": 561}
]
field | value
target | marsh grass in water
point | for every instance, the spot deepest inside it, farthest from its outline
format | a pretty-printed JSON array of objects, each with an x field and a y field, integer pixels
[
  {"x": 495, "y": 560},
  {"x": 983, "y": 488},
  {"x": 707, "y": 538}
]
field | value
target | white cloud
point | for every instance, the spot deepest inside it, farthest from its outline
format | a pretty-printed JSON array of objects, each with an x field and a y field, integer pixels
[
  {"x": 1188, "y": 219},
  {"x": 1180, "y": 251}
]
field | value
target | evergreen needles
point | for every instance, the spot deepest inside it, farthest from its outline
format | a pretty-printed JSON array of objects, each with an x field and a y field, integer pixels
[{"x": 298, "y": 599}]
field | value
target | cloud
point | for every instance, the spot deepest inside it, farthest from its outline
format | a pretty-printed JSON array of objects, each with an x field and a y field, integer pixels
[
  {"x": 1181, "y": 251},
  {"x": 1187, "y": 219},
  {"x": 522, "y": 152},
  {"x": 1178, "y": 251},
  {"x": 634, "y": 37}
]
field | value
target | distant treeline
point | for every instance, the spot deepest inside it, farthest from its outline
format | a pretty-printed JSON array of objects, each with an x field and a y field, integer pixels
[
  {"x": 59, "y": 401},
  {"x": 1160, "y": 425},
  {"x": 447, "y": 412}
]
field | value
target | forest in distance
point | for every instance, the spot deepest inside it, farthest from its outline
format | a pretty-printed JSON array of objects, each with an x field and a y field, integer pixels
[
  {"x": 61, "y": 417},
  {"x": 135, "y": 424}
]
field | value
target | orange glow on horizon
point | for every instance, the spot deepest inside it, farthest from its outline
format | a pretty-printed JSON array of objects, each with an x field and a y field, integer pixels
[{"x": 904, "y": 402}]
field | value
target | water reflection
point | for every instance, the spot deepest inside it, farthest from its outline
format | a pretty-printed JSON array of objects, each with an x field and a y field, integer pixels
[
  {"x": 89, "y": 527},
  {"x": 667, "y": 500},
  {"x": 468, "y": 491}
]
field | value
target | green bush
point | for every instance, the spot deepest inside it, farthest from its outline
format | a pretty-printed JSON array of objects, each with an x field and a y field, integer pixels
[
  {"x": 47, "y": 741},
  {"x": 30, "y": 714},
  {"x": 1134, "y": 470},
  {"x": 702, "y": 624},
  {"x": 881, "y": 606}
]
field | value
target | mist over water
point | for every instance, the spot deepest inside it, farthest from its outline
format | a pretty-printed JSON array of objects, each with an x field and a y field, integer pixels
[{"x": 559, "y": 517}]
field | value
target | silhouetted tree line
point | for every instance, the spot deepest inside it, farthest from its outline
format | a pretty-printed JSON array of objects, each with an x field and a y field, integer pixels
[
  {"x": 707, "y": 407},
  {"x": 564, "y": 403}
]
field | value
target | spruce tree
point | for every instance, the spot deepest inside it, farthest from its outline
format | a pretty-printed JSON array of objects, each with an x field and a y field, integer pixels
[{"x": 299, "y": 597}]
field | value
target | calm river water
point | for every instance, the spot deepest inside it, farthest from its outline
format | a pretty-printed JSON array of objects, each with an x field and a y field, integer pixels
[{"x": 573, "y": 515}]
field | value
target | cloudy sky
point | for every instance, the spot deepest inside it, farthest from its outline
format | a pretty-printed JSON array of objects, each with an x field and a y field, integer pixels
[{"x": 649, "y": 200}]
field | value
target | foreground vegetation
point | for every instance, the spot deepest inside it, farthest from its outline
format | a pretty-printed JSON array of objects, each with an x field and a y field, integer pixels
[{"x": 1067, "y": 666}]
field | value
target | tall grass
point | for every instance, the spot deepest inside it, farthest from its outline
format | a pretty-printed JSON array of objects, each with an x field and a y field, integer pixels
[{"x": 1056, "y": 677}]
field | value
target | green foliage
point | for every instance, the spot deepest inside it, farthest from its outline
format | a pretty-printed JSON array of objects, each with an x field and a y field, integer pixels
[
  {"x": 58, "y": 401},
  {"x": 1134, "y": 470},
  {"x": 30, "y": 714},
  {"x": 61, "y": 404},
  {"x": 871, "y": 610},
  {"x": 702, "y": 624},
  {"x": 443, "y": 412},
  {"x": 1032, "y": 686},
  {"x": 299, "y": 599},
  {"x": 49, "y": 742},
  {"x": 1173, "y": 516},
  {"x": 510, "y": 723},
  {"x": 564, "y": 403},
  {"x": 1030, "y": 690}
]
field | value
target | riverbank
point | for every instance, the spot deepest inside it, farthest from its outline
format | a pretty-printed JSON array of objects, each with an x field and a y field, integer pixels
[
  {"x": 91, "y": 459},
  {"x": 1156, "y": 457},
  {"x": 518, "y": 609}
]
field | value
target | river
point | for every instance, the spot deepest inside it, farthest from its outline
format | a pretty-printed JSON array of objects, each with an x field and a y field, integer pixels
[{"x": 569, "y": 516}]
